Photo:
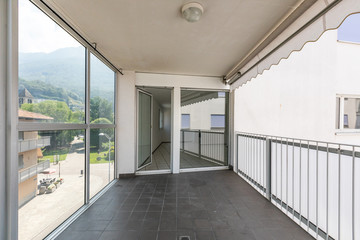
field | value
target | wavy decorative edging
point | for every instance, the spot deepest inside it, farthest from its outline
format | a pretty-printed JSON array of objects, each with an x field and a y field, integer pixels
[{"x": 240, "y": 83}]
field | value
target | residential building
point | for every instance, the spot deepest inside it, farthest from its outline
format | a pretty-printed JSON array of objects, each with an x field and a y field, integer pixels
[{"x": 30, "y": 144}]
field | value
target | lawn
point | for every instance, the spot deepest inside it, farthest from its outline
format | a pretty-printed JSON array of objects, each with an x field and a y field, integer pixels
[
  {"x": 49, "y": 154},
  {"x": 103, "y": 155}
]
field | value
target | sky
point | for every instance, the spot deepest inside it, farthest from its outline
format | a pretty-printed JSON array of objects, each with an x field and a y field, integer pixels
[
  {"x": 349, "y": 30},
  {"x": 38, "y": 33}
]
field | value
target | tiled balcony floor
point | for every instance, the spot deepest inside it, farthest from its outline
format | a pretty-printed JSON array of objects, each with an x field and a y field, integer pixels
[{"x": 203, "y": 205}]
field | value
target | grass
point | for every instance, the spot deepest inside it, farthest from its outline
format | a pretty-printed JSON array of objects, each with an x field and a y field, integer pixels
[
  {"x": 103, "y": 157},
  {"x": 49, "y": 154}
]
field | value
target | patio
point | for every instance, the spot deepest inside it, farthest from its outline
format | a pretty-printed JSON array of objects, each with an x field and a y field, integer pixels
[{"x": 203, "y": 205}]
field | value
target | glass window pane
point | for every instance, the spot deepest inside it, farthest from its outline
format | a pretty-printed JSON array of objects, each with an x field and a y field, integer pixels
[
  {"x": 217, "y": 121},
  {"x": 185, "y": 120},
  {"x": 102, "y": 156},
  {"x": 352, "y": 113},
  {"x": 102, "y": 92},
  {"x": 51, "y": 180},
  {"x": 51, "y": 68}
]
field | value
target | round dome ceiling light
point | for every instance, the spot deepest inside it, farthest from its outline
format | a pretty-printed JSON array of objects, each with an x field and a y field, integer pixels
[{"x": 192, "y": 11}]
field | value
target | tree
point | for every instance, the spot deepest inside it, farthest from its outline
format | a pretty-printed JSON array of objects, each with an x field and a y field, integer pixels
[
  {"x": 55, "y": 109},
  {"x": 77, "y": 117},
  {"x": 61, "y": 113},
  {"x": 101, "y": 108},
  {"x": 94, "y": 133}
]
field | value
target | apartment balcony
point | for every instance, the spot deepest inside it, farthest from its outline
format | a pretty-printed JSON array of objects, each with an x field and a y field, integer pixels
[
  {"x": 25, "y": 174},
  {"x": 281, "y": 188},
  {"x": 31, "y": 144}
]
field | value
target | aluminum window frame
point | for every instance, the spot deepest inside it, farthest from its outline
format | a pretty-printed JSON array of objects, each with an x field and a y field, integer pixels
[
  {"x": 340, "y": 115},
  {"x": 86, "y": 126}
]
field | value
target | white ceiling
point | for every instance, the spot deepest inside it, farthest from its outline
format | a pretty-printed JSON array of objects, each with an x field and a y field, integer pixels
[
  {"x": 151, "y": 35},
  {"x": 161, "y": 95}
]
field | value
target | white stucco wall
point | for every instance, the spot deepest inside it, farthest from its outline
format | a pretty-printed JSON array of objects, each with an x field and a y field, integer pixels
[
  {"x": 166, "y": 132},
  {"x": 297, "y": 98},
  {"x": 200, "y": 113},
  {"x": 126, "y": 122},
  {"x": 156, "y": 132}
]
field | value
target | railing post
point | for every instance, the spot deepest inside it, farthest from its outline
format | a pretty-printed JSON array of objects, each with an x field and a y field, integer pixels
[
  {"x": 199, "y": 143},
  {"x": 268, "y": 169},
  {"x": 183, "y": 140}
]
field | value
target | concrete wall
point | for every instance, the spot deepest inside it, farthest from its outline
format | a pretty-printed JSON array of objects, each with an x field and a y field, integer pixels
[
  {"x": 200, "y": 113},
  {"x": 297, "y": 97},
  {"x": 30, "y": 158},
  {"x": 27, "y": 189}
]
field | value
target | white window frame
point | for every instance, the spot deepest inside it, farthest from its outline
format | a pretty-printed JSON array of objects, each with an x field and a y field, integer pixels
[{"x": 340, "y": 129}]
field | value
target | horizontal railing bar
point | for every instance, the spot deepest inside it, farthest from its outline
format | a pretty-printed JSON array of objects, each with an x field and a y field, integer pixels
[
  {"x": 196, "y": 131},
  {"x": 60, "y": 126},
  {"x": 292, "y": 139}
]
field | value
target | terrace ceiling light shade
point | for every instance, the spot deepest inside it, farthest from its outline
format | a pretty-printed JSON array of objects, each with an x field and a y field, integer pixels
[{"x": 192, "y": 12}]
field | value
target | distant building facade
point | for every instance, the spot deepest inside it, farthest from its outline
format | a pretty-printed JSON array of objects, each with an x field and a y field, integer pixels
[{"x": 30, "y": 145}]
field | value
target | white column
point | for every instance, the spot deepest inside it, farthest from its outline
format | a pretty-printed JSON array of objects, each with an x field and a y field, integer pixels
[
  {"x": 8, "y": 121},
  {"x": 233, "y": 140},
  {"x": 3, "y": 34},
  {"x": 175, "y": 128},
  {"x": 126, "y": 123}
]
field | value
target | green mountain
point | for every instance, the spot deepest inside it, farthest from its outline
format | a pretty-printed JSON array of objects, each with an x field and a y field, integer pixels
[
  {"x": 65, "y": 69},
  {"x": 43, "y": 90}
]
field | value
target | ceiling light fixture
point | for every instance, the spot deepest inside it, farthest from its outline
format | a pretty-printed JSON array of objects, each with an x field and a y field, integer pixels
[{"x": 192, "y": 12}]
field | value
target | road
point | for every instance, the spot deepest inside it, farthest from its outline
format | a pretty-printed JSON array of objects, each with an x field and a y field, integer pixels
[{"x": 45, "y": 212}]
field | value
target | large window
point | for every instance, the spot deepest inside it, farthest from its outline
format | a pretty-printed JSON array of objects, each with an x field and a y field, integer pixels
[{"x": 53, "y": 165}]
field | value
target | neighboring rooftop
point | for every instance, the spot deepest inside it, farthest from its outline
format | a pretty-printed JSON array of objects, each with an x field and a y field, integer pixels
[
  {"x": 23, "y": 92},
  {"x": 34, "y": 116}
]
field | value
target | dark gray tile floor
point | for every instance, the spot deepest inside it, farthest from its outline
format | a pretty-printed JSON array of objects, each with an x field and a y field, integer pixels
[{"x": 203, "y": 206}]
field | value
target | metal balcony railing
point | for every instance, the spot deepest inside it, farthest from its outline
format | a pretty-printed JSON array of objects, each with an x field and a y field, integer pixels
[
  {"x": 209, "y": 145},
  {"x": 30, "y": 144},
  {"x": 317, "y": 184},
  {"x": 25, "y": 174}
]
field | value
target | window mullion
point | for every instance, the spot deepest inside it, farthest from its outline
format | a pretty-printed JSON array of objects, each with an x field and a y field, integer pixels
[
  {"x": 341, "y": 113},
  {"x": 87, "y": 131}
]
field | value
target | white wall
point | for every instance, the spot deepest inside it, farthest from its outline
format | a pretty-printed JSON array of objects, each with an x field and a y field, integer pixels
[
  {"x": 126, "y": 107},
  {"x": 126, "y": 122},
  {"x": 166, "y": 131},
  {"x": 156, "y": 137},
  {"x": 200, "y": 113},
  {"x": 297, "y": 97}
]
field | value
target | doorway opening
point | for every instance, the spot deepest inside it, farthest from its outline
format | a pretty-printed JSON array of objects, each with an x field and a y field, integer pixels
[
  {"x": 204, "y": 129},
  {"x": 153, "y": 130}
]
